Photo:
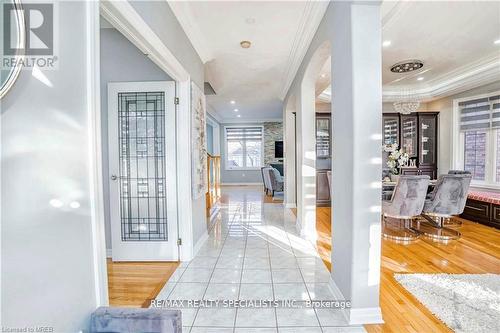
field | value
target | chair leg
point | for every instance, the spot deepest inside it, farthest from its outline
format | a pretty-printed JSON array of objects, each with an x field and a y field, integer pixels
[
  {"x": 452, "y": 223},
  {"x": 402, "y": 234},
  {"x": 435, "y": 229}
]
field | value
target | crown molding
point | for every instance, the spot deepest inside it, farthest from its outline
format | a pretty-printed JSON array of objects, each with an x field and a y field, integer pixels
[
  {"x": 309, "y": 22},
  {"x": 184, "y": 15},
  {"x": 478, "y": 73},
  {"x": 251, "y": 121},
  {"x": 122, "y": 16}
]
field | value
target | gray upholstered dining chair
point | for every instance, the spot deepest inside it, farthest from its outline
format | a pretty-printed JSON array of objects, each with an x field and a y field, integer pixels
[
  {"x": 405, "y": 204},
  {"x": 267, "y": 179},
  {"x": 446, "y": 200},
  {"x": 275, "y": 179},
  {"x": 459, "y": 172},
  {"x": 449, "y": 222}
]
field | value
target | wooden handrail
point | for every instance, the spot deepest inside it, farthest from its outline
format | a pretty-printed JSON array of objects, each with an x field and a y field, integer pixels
[{"x": 213, "y": 180}]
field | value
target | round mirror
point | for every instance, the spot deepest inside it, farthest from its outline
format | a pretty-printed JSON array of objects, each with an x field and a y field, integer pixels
[{"x": 12, "y": 31}]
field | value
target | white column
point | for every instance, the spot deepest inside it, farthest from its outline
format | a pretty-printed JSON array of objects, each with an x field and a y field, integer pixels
[
  {"x": 357, "y": 121},
  {"x": 289, "y": 143},
  {"x": 306, "y": 161}
]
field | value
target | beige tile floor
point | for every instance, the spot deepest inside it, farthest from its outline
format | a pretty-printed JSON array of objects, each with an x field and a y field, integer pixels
[{"x": 255, "y": 253}]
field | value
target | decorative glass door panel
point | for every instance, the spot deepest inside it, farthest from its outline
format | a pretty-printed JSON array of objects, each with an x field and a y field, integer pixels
[
  {"x": 409, "y": 135},
  {"x": 141, "y": 117},
  {"x": 142, "y": 171},
  {"x": 391, "y": 130},
  {"x": 322, "y": 137},
  {"x": 428, "y": 144}
]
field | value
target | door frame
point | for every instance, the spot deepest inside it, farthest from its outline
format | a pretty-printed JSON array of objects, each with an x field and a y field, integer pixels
[
  {"x": 126, "y": 20},
  {"x": 143, "y": 250}
]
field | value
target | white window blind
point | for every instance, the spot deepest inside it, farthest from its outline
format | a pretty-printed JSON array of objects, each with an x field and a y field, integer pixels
[
  {"x": 244, "y": 147},
  {"x": 479, "y": 126},
  {"x": 480, "y": 114}
]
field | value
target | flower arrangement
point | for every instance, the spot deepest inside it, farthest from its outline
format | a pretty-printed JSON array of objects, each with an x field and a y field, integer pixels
[{"x": 397, "y": 158}]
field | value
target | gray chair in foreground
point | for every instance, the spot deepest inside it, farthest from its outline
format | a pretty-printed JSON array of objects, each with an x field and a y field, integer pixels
[
  {"x": 406, "y": 204},
  {"x": 133, "y": 320},
  {"x": 446, "y": 200}
]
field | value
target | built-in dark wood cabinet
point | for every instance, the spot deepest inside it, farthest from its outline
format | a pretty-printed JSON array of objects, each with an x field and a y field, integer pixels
[
  {"x": 482, "y": 212},
  {"x": 417, "y": 133},
  {"x": 323, "y": 158}
]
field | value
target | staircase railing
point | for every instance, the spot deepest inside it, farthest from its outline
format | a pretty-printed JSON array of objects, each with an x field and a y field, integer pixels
[{"x": 213, "y": 179}]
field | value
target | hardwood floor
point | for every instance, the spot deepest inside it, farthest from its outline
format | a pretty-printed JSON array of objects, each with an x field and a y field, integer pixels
[
  {"x": 135, "y": 284},
  {"x": 477, "y": 251}
]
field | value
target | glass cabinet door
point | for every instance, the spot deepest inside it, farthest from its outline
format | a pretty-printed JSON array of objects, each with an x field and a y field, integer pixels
[
  {"x": 428, "y": 137},
  {"x": 409, "y": 134},
  {"x": 322, "y": 137},
  {"x": 391, "y": 129}
]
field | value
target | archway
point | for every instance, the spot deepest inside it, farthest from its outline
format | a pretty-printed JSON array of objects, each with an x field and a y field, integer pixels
[{"x": 306, "y": 143}]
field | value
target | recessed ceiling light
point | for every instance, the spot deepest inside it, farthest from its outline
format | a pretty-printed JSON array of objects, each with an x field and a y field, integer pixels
[
  {"x": 236, "y": 110},
  {"x": 245, "y": 44},
  {"x": 238, "y": 115},
  {"x": 232, "y": 102},
  {"x": 323, "y": 75},
  {"x": 420, "y": 78},
  {"x": 386, "y": 43},
  {"x": 497, "y": 41}
]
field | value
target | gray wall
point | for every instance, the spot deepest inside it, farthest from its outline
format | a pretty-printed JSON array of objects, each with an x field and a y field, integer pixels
[
  {"x": 163, "y": 22},
  {"x": 47, "y": 252},
  {"x": 121, "y": 61},
  {"x": 210, "y": 139}
]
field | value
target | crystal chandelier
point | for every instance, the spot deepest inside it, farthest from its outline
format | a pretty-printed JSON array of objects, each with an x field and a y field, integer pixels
[
  {"x": 406, "y": 107},
  {"x": 407, "y": 103}
]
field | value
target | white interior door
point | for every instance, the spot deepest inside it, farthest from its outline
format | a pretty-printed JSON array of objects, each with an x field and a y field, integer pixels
[{"x": 142, "y": 168}]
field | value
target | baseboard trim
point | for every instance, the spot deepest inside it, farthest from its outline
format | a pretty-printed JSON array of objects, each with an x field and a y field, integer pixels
[
  {"x": 109, "y": 253},
  {"x": 240, "y": 184},
  {"x": 337, "y": 295},
  {"x": 200, "y": 243},
  {"x": 356, "y": 316},
  {"x": 363, "y": 316}
]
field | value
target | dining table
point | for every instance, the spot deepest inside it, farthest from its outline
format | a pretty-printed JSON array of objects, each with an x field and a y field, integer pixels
[{"x": 388, "y": 188}]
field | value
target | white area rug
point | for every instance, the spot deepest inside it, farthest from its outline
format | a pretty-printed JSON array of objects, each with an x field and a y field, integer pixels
[{"x": 464, "y": 302}]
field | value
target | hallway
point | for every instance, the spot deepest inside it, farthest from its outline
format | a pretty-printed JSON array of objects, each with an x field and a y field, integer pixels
[{"x": 254, "y": 253}]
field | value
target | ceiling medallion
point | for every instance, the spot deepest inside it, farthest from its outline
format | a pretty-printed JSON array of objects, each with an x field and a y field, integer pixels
[{"x": 407, "y": 66}]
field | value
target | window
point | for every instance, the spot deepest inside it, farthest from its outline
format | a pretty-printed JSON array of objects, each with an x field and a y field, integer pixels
[
  {"x": 244, "y": 147},
  {"x": 475, "y": 154},
  {"x": 479, "y": 137}
]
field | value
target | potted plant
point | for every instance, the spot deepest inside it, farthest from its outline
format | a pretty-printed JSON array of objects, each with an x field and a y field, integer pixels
[{"x": 397, "y": 159}]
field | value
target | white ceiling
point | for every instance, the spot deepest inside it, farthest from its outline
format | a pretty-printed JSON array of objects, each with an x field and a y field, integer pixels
[
  {"x": 454, "y": 39},
  {"x": 252, "y": 77},
  {"x": 445, "y": 35}
]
